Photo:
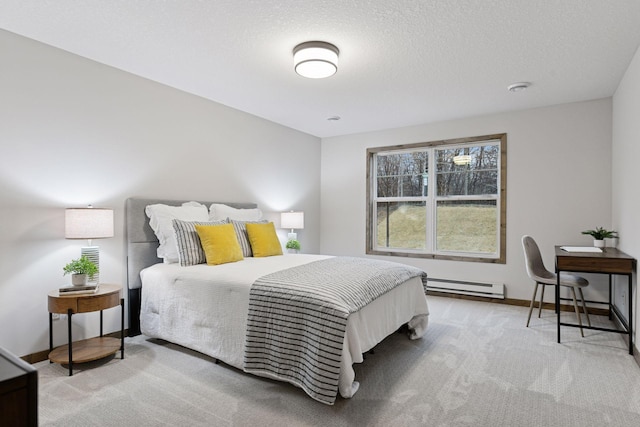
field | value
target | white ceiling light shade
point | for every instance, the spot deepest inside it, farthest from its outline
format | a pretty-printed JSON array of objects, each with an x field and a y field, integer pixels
[{"x": 315, "y": 60}]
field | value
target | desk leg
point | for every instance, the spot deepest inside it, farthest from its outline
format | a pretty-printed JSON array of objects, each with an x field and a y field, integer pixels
[
  {"x": 69, "y": 313},
  {"x": 558, "y": 302},
  {"x": 630, "y": 297},
  {"x": 610, "y": 288},
  {"x": 122, "y": 328}
]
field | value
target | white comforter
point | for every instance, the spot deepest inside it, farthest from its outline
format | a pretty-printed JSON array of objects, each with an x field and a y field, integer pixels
[{"x": 205, "y": 308}]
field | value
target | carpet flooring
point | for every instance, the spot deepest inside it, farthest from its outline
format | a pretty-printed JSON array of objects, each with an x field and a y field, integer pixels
[{"x": 477, "y": 365}]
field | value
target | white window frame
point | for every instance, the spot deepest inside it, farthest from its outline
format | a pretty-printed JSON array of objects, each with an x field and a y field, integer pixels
[{"x": 431, "y": 200}]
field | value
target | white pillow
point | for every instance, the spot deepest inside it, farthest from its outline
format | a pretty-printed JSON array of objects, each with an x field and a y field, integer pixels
[
  {"x": 161, "y": 221},
  {"x": 218, "y": 212}
]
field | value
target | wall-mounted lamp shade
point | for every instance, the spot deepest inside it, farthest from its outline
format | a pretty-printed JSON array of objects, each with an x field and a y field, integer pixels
[
  {"x": 292, "y": 220},
  {"x": 315, "y": 60},
  {"x": 88, "y": 223}
]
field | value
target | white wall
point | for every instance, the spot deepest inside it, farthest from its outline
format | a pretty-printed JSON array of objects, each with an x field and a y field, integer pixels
[
  {"x": 74, "y": 132},
  {"x": 625, "y": 171},
  {"x": 558, "y": 184}
]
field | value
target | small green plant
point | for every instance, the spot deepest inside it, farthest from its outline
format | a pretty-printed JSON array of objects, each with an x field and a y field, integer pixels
[
  {"x": 600, "y": 233},
  {"x": 81, "y": 266},
  {"x": 293, "y": 244}
]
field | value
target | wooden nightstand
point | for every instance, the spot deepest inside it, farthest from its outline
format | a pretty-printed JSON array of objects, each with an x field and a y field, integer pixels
[{"x": 108, "y": 296}]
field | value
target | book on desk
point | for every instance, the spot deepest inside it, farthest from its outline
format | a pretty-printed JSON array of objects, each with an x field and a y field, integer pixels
[
  {"x": 78, "y": 290},
  {"x": 581, "y": 249}
]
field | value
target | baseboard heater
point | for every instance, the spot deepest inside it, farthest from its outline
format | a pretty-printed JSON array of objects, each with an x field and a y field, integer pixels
[{"x": 489, "y": 290}]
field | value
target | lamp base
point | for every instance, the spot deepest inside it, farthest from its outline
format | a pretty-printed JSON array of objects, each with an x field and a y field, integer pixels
[
  {"x": 292, "y": 236},
  {"x": 93, "y": 254}
]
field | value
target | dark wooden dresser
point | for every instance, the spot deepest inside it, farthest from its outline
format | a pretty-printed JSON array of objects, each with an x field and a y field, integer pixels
[{"x": 18, "y": 391}]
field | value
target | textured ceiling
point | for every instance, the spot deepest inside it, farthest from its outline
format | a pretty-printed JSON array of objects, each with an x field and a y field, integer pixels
[{"x": 402, "y": 62}]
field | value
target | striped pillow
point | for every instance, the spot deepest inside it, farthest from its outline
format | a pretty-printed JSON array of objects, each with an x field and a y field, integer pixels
[
  {"x": 190, "y": 250},
  {"x": 243, "y": 238}
]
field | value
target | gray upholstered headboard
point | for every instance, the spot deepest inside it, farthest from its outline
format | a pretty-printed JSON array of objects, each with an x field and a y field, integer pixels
[{"x": 142, "y": 245}]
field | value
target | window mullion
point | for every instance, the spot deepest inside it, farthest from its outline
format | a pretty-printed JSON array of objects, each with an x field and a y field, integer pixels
[{"x": 430, "y": 204}]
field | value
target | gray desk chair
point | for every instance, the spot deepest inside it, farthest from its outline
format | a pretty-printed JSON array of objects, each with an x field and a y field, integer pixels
[{"x": 539, "y": 274}]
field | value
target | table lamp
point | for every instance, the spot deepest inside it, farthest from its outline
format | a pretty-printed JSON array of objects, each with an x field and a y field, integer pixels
[
  {"x": 293, "y": 221},
  {"x": 89, "y": 223}
]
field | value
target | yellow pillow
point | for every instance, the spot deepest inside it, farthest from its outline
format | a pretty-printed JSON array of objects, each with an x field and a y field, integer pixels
[
  {"x": 263, "y": 239},
  {"x": 219, "y": 243}
]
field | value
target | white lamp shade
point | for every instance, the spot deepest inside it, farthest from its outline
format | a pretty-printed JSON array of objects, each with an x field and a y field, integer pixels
[
  {"x": 88, "y": 223},
  {"x": 315, "y": 60},
  {"x": 292, "y": 220}
]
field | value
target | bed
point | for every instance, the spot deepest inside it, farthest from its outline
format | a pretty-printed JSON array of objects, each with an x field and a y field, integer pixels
[{"x": 209, "y": 308}]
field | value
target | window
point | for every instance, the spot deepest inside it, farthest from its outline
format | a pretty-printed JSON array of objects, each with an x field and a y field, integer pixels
[{"x": 442, "y": 199}]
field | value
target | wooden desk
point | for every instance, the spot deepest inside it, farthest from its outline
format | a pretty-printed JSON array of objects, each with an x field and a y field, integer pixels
[{"x": 610, "y": 261}]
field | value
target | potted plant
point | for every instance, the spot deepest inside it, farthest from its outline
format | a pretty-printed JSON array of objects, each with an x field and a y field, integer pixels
[
  {"x": 599, "y": 234},
  {"x": 80, "y": 269},
  {"x": 293, "y": 246}
]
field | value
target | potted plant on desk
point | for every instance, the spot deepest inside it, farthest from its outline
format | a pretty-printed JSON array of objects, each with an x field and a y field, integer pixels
[
  {"x": 599, "y": 234},
  {"x": 80, "y": 269}
]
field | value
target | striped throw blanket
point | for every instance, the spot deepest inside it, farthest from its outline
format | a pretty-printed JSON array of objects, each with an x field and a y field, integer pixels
[{"x": 298, "y": 316}]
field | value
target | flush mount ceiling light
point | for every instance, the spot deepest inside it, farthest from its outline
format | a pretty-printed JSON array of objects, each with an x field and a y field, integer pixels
[
  {"x": 315, "y": 60},
  {"x": 517, "y": 87}
]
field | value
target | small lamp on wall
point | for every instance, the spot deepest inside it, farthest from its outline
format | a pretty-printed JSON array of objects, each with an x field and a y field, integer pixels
[
  {"x": 293, "y": 221},
  {"x": 89, "y": 223}
]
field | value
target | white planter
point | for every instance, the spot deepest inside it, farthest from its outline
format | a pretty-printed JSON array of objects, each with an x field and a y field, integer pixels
[
  {"x": 79, "y": 279},
  {"x": 598, "y": 243}
]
